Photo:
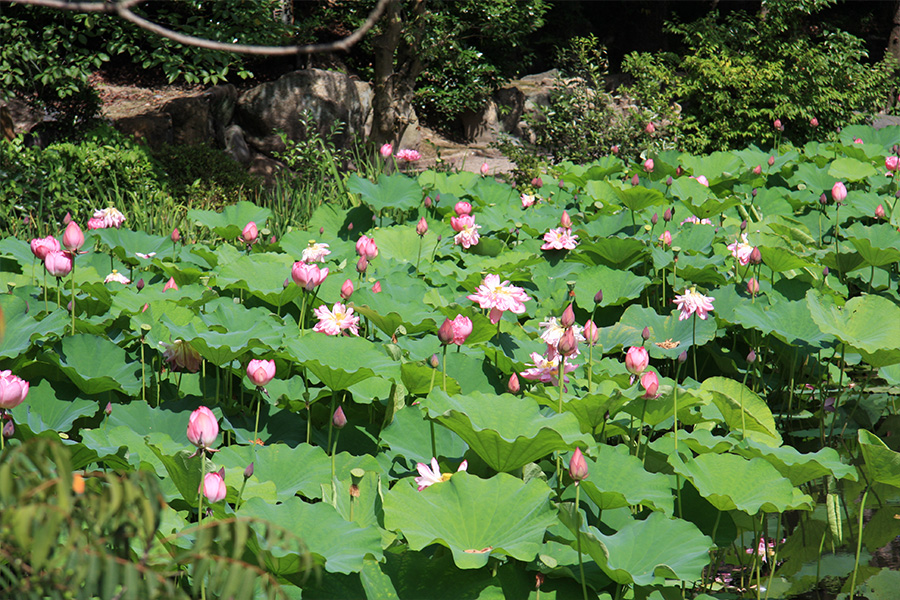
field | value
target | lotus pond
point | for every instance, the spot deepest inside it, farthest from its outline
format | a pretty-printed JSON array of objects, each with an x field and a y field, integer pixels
[{"x": 675, "y": 379}]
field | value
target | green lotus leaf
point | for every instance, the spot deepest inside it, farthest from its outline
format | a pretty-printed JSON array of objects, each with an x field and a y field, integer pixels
[
  {"x": 796, "y": 466},
  {"x": 263, "y": 275},
  {"x": 391, "y": 191},
  {"x": 229, "y": 223},
  {"x": 337, "y": 545},
  {"x": 675, "y": 335},
  {"x": 637, "y": 198},
  {"x": 691, "y": 192},
  {"x": 714, "y": 166},
  {"x": 643, "y": 552},
  {"x": 614, "y": 252},
  {"x": 694, "y": 239},
  {"x": 22, "y": 328},
  {"x": 617, "y": 479},
  {"x": 121, "y": 447},
  {"x": 815, "y": 178},
  {"x": 400, "y": 244},
  {"x": 741, "y": 407},
  {"x": 421, "y": 379},
  {"x": 852, "y": 324},
  {"x": 358, "y": 359},
  {"x": 591, "y": 409},
  {"x": 781, "y": 259},
  {"x": 492, "y": 192},
  {"x": 45, "y": 409},
  {"x": 20, "y": 251},
  {"x": 473, "y": 517},
  {"x": 845, "y": 261},
  {"x": 400, "y": 302},
  {"x": 619, "y": 286},
  {"x": 878, "y": 244},
  {"x": 183, "y": 469},
  {"x": 851, "y": 169},
  {"x": 731, "y": 482},
  {"x": 699, "y": 269},
  {"x": 505, "y": 431},
  {"x": 788, "y": 320},
  {"x": 334, "y": 222},
  {"x": 126, "y": 243},
  {"x": 409, "y": 435},
  {"x": 95, "y": 364},
  {"x": 882, "y": 463}
]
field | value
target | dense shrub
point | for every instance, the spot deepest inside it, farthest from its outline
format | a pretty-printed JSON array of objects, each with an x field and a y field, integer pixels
[{"x": 204, "y": 175}]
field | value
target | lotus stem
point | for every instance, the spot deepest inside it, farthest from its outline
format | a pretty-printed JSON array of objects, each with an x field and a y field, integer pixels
[
  {"x": 862, "y": 506},
  {"x": 578, "y": 539},
  {"x": 200, "y": 509},
  {"x": 444, "y": 367},
  {"x": 258, "y": 405},
  {"x": 73, "y": 295}
]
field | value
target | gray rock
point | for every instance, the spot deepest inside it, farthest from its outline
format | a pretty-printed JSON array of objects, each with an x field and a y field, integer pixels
[{"x": 235, "y": 145}]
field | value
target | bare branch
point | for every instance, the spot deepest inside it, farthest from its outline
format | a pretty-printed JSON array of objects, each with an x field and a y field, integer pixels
[{"x": 123, "y": 10}]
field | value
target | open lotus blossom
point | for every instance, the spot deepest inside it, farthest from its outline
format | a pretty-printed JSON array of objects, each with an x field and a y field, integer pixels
[
  {"x": 498, "y": 297},
  {"x": 666, "y": 238},
  {"x": 40, "y": 247},
  {"x": 546, "y": 370},
  {"x": 116, "y": 277},
  {"x": 110, "y": 217},
  {"x": 13, "y": 390},
  {"x": 315, "y": 252},
  {"x": 430, "y": 476},
  {"x": 308, "y": 276},
  {"x": 741, "y": 250},
  {"x": 408, "y": 154},
  {"x": 697, "y": 220},
  {"x": 181, "y": 356},
  {"x": 527, "y": 200},
  {"x": 559, "y": 239},
  {"x": 261, "y": 372},
  {"x": 58, "y": 263},
  {"x": 455, "y": 331},
  {"x": 214, "y": 486},
  {"x": 858, "y": 141},
  {"x": 693, "y": 302},
  {"x": 145, "y": 256},
  {"x": 336, "y": 320},
  {"x": 203, "y": 427},
  {"x": 366, "y": 246},
  {"x": 468, "y": 233},
  {"x": 462, "y": 208}
]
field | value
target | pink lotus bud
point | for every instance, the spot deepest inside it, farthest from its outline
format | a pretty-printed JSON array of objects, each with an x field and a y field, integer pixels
[
  {"x": 591, "y": 333},
  {"x": 261, "y": 372},
  {"x": 445, "y": 332},
  {"x": 645, "y": 334},
  {"x": 349, "y": 226},
  {"x": 635, "y": 180},
  {"x": 568, "y": 317},
  {"x": 376, "y": 289},
  {"x": 422, "y": 227},
  {"x": 346, "y": 289},
  {"x": 428, "y": 202},
  {"x": 598, "y": 297},
  {"x": 170, "y": 285},
  {"x": 565, "y": 220},
  {"x": 814, "y": 122},
  {"x": 752, "y": 286},
  {"x": 362, "y": 264},
  {"x": 40, "y": 247},
  {"x": 636, "y": 360},
  {"x": 755, "y": 256},
  {"x": 858, "y": 141},
  {"x": 654, "y": 219},
  {"x": 462, "y": 327},
  {"x": 339, "y": 419},
  {"x": 140, "y": 284},
  {"x": 744, "y": 225},
  {"x": 73, "y": 238},
  {"x": 839, "y": 192},
  {"x": 386, "y": 150},
  {"x": 778, "y": 125},
  {"x": 108, "y": 410},
  {"x": 615, "y": 149},
  {"x": 667, "y": 216},
  {"x": 666, "y": 238},
  {"x": 203, "y": 427},
  {"x": 12, "y": 390},
  {"x": 757, "y": 170},
  {"x": 176, "y": 235},
  {"x": 308, "y": 276},
  {"x": 462, "y": 208},
  {"x": 513, "y": 386},
  {"x": 751, "y": 357},
  {"x": 537, "y": 183},
  {"x": 213, "y": 487},
  {"x": 365, "y": 246},
  {"x": 682, "y": 358},
  {"x": 578, "y": 469},
  {"x": 771, "y": 160},
  {"x": 650, "y": 128},
  {"x": 248, "y": 472},
  {"x": 9, "y": 430},
  {"x": 567, "y": 345},
  {"x": 250, "y": 233},
  {"x": 485, "y": 169},
  {"x": 892, "y": 163},
  {"x": 648, "y": 165},
  {"x": 67, "y": 219},
  {"x": 650, "y": 383},
  {"x": 58, "y": 263},
  {"x": 434, "y": 362},
  {"x": 879, "y": 211}
]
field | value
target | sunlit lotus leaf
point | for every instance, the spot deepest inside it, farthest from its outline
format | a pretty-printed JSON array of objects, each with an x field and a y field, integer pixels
[
  {"x": 489, "y": 192},
  {"x": 126, "y": 243},
  {"x": 618, "y": 479},
  {"x": 853, "y": 325},
  {"x": 619, "y": 286},
  {"x": 391, "y": 191},
  {"x": 170, "y": 419},
  {"x": 782, "y": 259},
  {"x": 715, "y": 166},
  {"x": 741, "y": 407},
  {"x": 475, "y": 370},
  {"x": 591, "y": 409},
  {"x": 129, "y": 300},
  {"x": 22, "y": 327},
  {"x": 229, "y": 223},
  {"x": 618, "y": 253},
  {"x": 228, "y": 320},
  {"x": 20, "y": 251},
  {"x": 690, "y": 191},
  {"x": 654, "y": 411},
  {"x": 637, "y": 198},
  {"x": 645, "y": 552},
  {"x": 702, "y": 441},
  {"x": 798, "y": 467},
  {"x": 669, "y": 336},
  {"x": 693, "y": 238},
  {"x": 400, "y": 302},
  {"x": 334, "y": 222},
  {"x": 845, "y": 261},
  {"x": 400, "y": 244},
  {"x": 263, "y": 275},
  {"x": 732, "y": 482},
  {"x": 410, "y": 435},
  {"x": 882, "y": 463},
  {"x": 95, "y": 364},
  {"x": 337, "y": 545},
  {"x": 850, "y": 169},
  {"x": 419, "y": 378},
  {"x": 339, "y": 362},
  {"x": 815, "y": 178},
  {"x": 878, "y": 244},
  {"x": 700, "y": 269},
  {"x": 364, "y": 507},
  {"x": 122, "y": 447},
  {"x": 45, "y": 409},
  {"x": 505, "y": 431},
  {"x": 600, "y": 169},
  {"x": 788, "y": 320},
  {"x": 473, "y": 517}
]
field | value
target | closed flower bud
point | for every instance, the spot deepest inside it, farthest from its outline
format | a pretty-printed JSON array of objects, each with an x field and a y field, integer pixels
[
  {"x": 567, "y": 345},
  {"x": 751, "y": 357},
  {"x": 654, "y": 219},
  {"x": 427, "y": 201},
  {"x": 537, "y": 183},
  {"x": 879, "y": 211},
  {"x": 261, "y": 372},
  {"x": 755, "y": 257},
  {"x": 9, "y": 430},
  {"x": 73, "y": 238},
  {"x": 650, "y": 383},
  {"x": 753, "y": 286},
  {"x": 346, "y": 289},
  {"x": 778, "y": 125},
  {"x": 513, "y": 385},
  {"x": 667, "y": 216},
  {"x": 825, "y": 272},
  {"x": 445, "y": 332},
  {"x": 67, "y": 219},
  {"x": 635, "y": 180},
  {"x": 637, "y": 359},
  {"x": 814, "y": 122},
  {"x": 771, "y": 160},
  {"x": 568, "y": 317},
  {"x": 591, "y": 333},
  {"x": 176, "y": 235},
  {"x": 753, "y": 192},
  {"x": 578, "y": 469},
  {"x": 650, "y": 128},
  {"x": 376, "y": 287},
  {"x": 645, "y": 334},
  {"x": 213, "y": 487},
  {"x": 434, "y": 362},
  {"x": 203, "y": 427},
  {"x": 250, "y": 233},
  {"x": 669, "y": 180},
  {"x": 362, "y": 264},
  {"x": 565, "y": 220},
  {"x": 108, "y": 410},
  {"x": 682, "y": 358},
  {"x": 422, "y": 227},
  {"x": 839, "y": 192},
  {"x": 823, "y": 199},
  {"x": 598, "y": 297},
  {"x": 248, "y": 472},
  {"x": 339, "y": 419},
  {"x": 140, "y": 284},
  {"x": 648, "y": 165},
  {"x": 757, "y": 170},
  {"x": 744, "y": 225},
  {"x": 462, "y": 208}
]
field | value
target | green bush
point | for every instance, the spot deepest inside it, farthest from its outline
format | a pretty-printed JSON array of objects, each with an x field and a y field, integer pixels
[{"x": 206, "y": 176}]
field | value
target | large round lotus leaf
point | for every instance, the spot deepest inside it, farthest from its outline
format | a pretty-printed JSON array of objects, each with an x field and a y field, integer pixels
[
  {"x": 619, "y": 286},
  {"x": 229, "y": 223},
  {"x": 669, "y": 336},
  {"x": 446, "y": 184},
  {"x": 400, "y": 302},
  {"x": 391, "y": 191},
  {"x": 715, "y": 166},
  {"x": 473, "y": 517},
  {"x": 788, "y": 320},
  {"x": 853, "y": 325},
  {"x": 591, "y": 409},
  {"x": 615, "y": 252},
  {"x": 263, "y": 275},
  {"x": 815, "y": 178},
  {"x": 878, "y": 245},
  {"x": 643, "y": 551},
  {"x": 409, "y": 435},
  {"x": 851, "y": 169},
  {"x": 125, "y": 243},
  {"x": 339, "y": 361},
  {"x": 489, "y": 192},
  {"x": 505, "y": 431},
  {"x": 741, "y": 407},
  {"x": 732, "y": 482},
  {"x": 638, "y": 198},
  {"x": 45, "y": 409},
  {"x": 617, "y": 479},
  {"x": 20, "y": 251},
  {"x": 95, "y": 364},
  {"x": 796, "y": 466},
  {"x": 336, "y": 544},
  {"x": 22, "y": 328},
  {"x": 882, "y": 463}
]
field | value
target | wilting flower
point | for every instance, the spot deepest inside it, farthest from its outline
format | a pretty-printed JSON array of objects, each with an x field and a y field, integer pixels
[
  {"x": 692, "y": 302},
  {"x": 408, "y": 155},
  {"x": 73, "y": 238},
  {"x": 741, "y": 250},
  {"x": 386, "y": 150},
  {"x": 40, "y": 247},
  {"x": 666, "y": 238},
  {"x": 203, "y": 427},
  {"x": 181, "y": 356},
  {"x": 214, "y": 487},
  {"x": 308, "y": 276},
  {"x": 839, "y": 192},
  {"x": 110, "y": 217},
  {"x": 116, "y": 277},
  {"x": 433, "y": 475},
  {"x": 366, "y": 246},
  {"x": 94, "y": 223},
  {"x": 261, "y": 372},
  {"x": 697, "y": 221},
  {"x": 527, "y": 200},
  {"x": 497, "y": 296},
  {"x": 559, "y": 239},
  {"x": 170, "y": 285},
  {"x": 250, "y": 233},
  {"x": 546, "y": 370},
  {"x": 468, "y": 231},
  {"x": 58, "y": 263},
  {"x": 578, "y": 469},
  {"x": 650, "y": 383},
  {"x": 336, "y": 320},
  {"x": 315, "y": 252},
  {"x": 13, "y": 390},
  {"x": 636, "y": 360}
]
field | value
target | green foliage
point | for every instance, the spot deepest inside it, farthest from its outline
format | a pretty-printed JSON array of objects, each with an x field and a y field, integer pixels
[{"x": 205, "y": 176}]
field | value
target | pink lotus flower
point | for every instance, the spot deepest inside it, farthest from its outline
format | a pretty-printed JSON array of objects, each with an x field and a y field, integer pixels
[
  {"x": 741, "y": 250},
  {"x": 203, "y": 427},
  {"x": 468, "y": 232},
  {"x": 366, "y": 246},
  {"x": 214, "y": 486},
  {"x": 376, "y": 287},
  {"x": 559, "y": 239},
  {"x": 339, "y": 419},
  {"x": 614, "y": 149},
  {"x": 648, "y": 165},
  {"x": 650, "y": 128},
  {"x": 422, "y": 227},
  {"x": 565, "y": 220},
  {"x": 778, "y": 125},
  {"x": 408, "y": 155},
  {"x": 428, "y": 477},
  {"x": 461, "y": 222},
  {"x": 94, "y": 223},
  {"x": 40, "y": 247},
  {"x": 839, "y": 192},
  {"x": 12, "y": 390},
  {"x": 462, "y": 208},
  {"x": 650, "y": 383},
  {"x": 552, "y": 332},
  {"x": 697, "y": 221},
  {"x": 386, "y": 150},
  {"x": 666, "y": 238},
  {"x": 116, "y": 277},
  {"x": 892, "y": 163},
  {"x": 814, "y": 122},
  {"x": 250, "y": 233},
  {"x": 701, "y": 179},
  {"x": 336, "y": 320},
  {"x": 308, "y": 276},
  {"x": 181, "y": 356},
  {"x": 693, "y": 302},
  {"x": 176, "y": 236},
  {"x": 314, "y": 252},
  {"x": 73, "y": 238},
  {"x": 858, "y": 141},
  {"x": 546, "y": 370},
  {"x": 497, "y": 296},
  {"x": 485, "y": 169},
  {"x": 346, "y": 290},
  {"x": 170, "y": 285},
  {"x": 461, "y": 327},
  {"x": 636, "y": 360},
  {"x": 513, "y": 386},
  {"x": 110, "y": 217},
  {"x": 757, "y": 170},
  {"x": 752, "y": 286},
  {"x": 879, "y": 211},
  {"x": 578, "y": 469},
  {"x": 527, "y": 200},
  {"x": 591, "y": 333},
  {"x": 261, "y": 372},
  {"x": 57, "y": 263}
]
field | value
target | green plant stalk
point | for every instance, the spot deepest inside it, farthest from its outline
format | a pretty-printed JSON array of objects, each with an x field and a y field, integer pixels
[
  {"x": 58, "y": 297},
  {"x": 303, "y": 311},
  {"x": 444, "y": 369},
  {"x": 258, "y": 405},
  {"x": 578, "y": 539},
  {"x": 200, "y": 509},
  {"x": 73, "y": 294},
  {"x": 143, "y": 376},
  {"x": 590, "y": 366},
  {"x": 330, "y": 419},
  {"x": 333, "y": 453},
  {"x": 694, "y": 343},
  {"x": 774, "y": 558},
  {"x": 862, "y": 507},
  {"x": 419, "y": 255},
  {"x": 46, "y": 309}
]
